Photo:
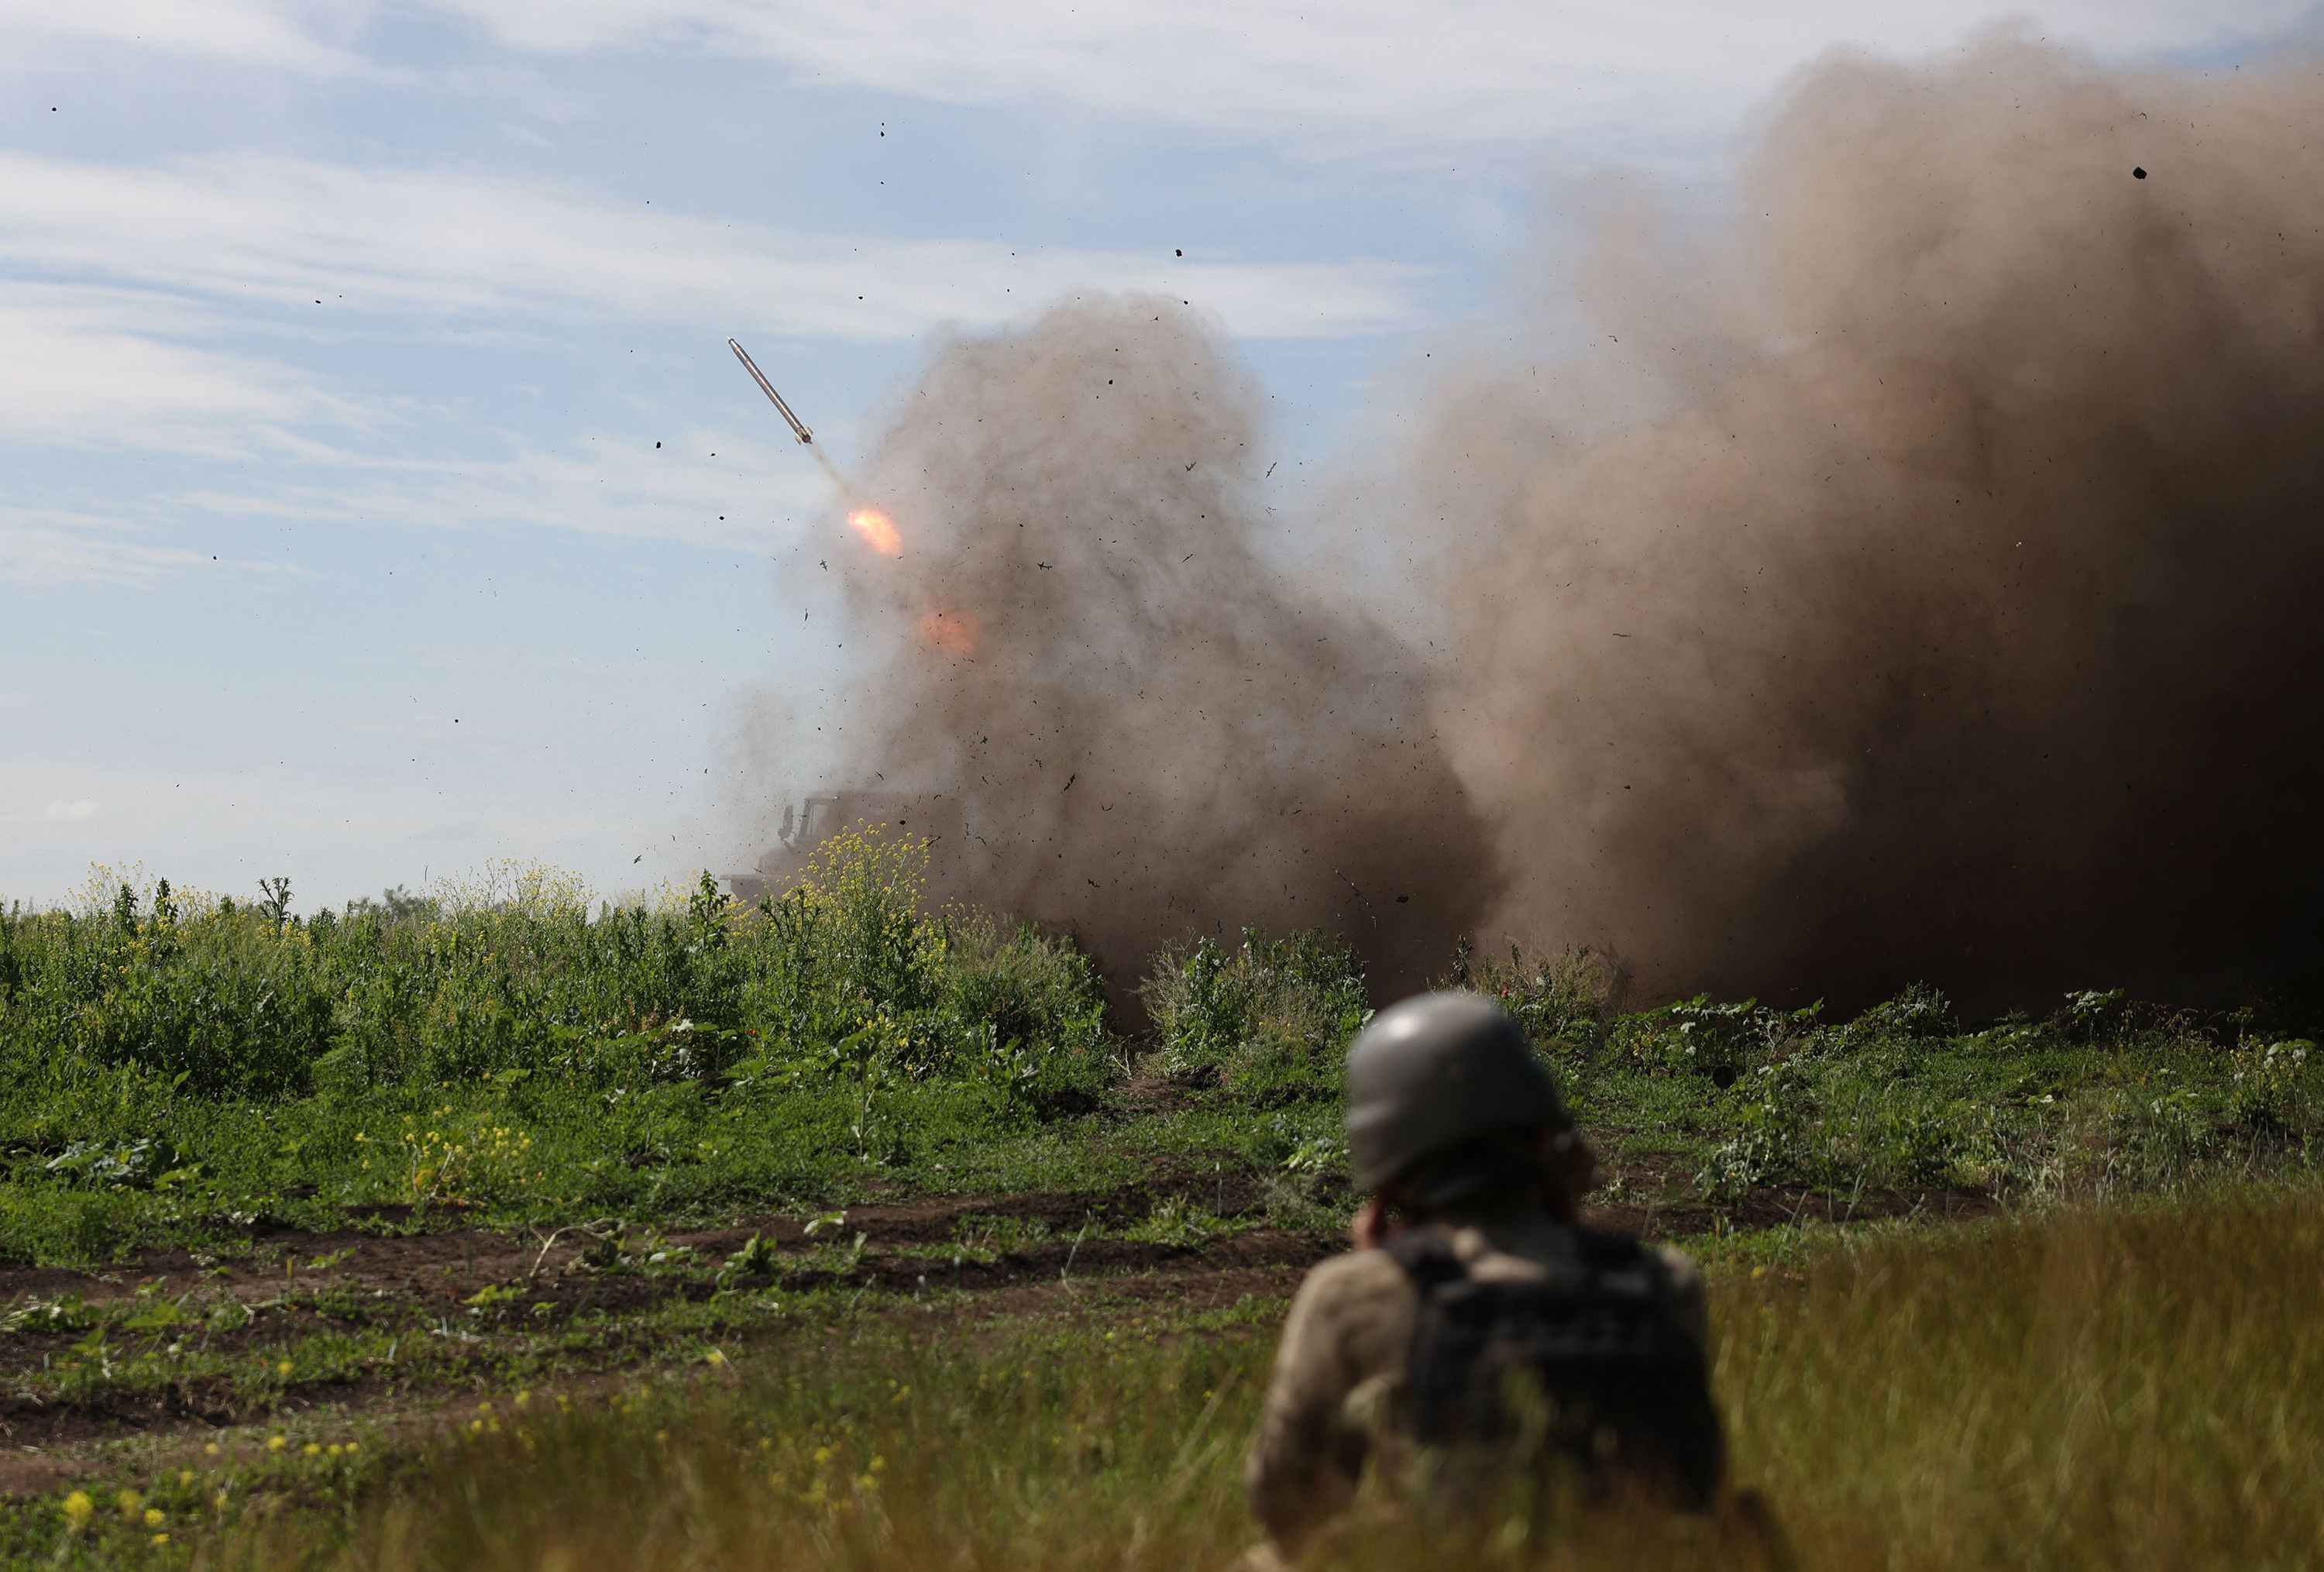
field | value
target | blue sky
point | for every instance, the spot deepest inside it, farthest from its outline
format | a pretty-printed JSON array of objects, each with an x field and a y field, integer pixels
[{"x": 337, "y": 341}]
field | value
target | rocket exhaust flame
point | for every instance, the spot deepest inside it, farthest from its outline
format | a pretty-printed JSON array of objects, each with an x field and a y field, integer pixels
[
  {"x": 878, "y": 530},
  {"x": 870, "y": 523}
]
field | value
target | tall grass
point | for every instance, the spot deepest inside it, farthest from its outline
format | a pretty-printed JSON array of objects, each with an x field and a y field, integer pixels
[
  {"x": 1270, "y": 1017},
  {"x": 846, "y": 973},
  {"x": 2118, "y": 1389},
  {"x": 175, "y": 1069},
  {"x": 2142, "y": 1387}
]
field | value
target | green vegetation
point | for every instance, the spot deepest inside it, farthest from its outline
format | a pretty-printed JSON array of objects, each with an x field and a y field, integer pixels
[
  {"x": 183, "y": 1072},
  {"x": 178, "y": 1075},
  {"x": 2101, "y": 1097},
  {"x": 726, "y": 1172},
  {"x": 1268, "y": 1018},
  {"x": 843, "y": 975}
]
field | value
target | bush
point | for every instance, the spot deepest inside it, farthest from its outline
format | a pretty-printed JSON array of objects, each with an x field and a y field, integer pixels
[
  {"x": 1563, "y": 1001},
  {"x": 843, "y": 978},
  {"x": 1272, "y": 1016},
  {"x": 1697, "y": 1036},
  {"x": 224, "y": 999},
  {"x": 1039, "y": 1005},
  {"x": 1919, "y": 1014}
]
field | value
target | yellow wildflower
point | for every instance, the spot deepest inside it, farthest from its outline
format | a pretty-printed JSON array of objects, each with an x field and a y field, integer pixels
[
  {"x": 131, "y": 1501},
  {"x": 283, "y": 1368},
  {"x": 80, "y": 1509},
  {"x": 277, "y": 1442},
  {"x": 160, "y": 1540},
  {"x": 153, "y": 1517}
]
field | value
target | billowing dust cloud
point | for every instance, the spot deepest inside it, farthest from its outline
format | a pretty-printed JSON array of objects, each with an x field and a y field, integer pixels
[
  {"x": 1918, "y": 576},
  {"x": 1957, "y": 615},
  {"x": 1153, "y": 734}
]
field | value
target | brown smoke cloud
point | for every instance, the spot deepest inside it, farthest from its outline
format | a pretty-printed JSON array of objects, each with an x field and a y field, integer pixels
[
  {"x": 1956, "y": 615},
  {"x": 1153, "y": 732},
  {"x": 1917, "y": 577}
]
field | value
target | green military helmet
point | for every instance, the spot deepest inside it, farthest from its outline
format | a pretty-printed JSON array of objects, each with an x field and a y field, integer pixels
[{"x": 1437, "y": 1071}]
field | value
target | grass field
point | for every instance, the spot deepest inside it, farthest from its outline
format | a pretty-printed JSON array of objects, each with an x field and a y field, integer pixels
[
  {"x": 2135, "y": 1386},
  {"x": 507, "y": 1228}
]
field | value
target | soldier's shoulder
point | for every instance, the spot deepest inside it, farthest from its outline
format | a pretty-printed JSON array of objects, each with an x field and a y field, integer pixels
[
  {"x": 1361, "y": 1274},
  {"x": 1677, "y": 1265},
  {"x": 1354, "y": 1310},
  {"x": 1674, "y": 1270},
  {"x": 1684, "y": 1292}
]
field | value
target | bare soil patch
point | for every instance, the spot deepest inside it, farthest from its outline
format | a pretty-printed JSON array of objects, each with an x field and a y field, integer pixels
[{"x": 925, "y": 1257}]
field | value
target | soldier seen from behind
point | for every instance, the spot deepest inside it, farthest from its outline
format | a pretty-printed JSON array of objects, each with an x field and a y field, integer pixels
[{"x": 1478, "y": 1338}]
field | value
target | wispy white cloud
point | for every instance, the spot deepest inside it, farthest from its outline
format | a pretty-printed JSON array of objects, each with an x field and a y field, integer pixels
[
  {"x": 141, "y": 293},
  {"x": 1372, "y": 74},
  {"x": 48, "y": 548},
  {"x": 1369, "y": 76},
  {"x": 280, "y": 35},
  {"x": 106, "y": 367},
  {"x": 748, "y": 498},
  {"x": 295, "y": 233},
  {"x": 102, "y": 366},
  {"x": 70, "y": 810},
  {"x": 1361, "y": 75}
]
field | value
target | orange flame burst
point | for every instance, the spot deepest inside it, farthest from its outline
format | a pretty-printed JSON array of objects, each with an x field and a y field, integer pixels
[
  {"x": 878, "y": 530},
  {"x": 953, "y": 632}
]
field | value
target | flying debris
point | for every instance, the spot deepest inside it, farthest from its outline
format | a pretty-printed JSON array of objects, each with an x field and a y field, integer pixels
[{"x": 798, "y": 428}]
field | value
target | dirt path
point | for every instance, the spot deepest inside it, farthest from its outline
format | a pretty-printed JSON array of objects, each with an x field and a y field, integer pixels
[{"x": 974, "y": 1258}]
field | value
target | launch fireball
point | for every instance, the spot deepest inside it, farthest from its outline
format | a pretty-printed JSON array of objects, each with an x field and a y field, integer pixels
[{"x": 878, "y": 530}]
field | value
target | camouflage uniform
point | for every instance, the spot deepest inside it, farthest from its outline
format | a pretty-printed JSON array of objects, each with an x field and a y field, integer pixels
[{"x": 1336, "y": 1399}]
